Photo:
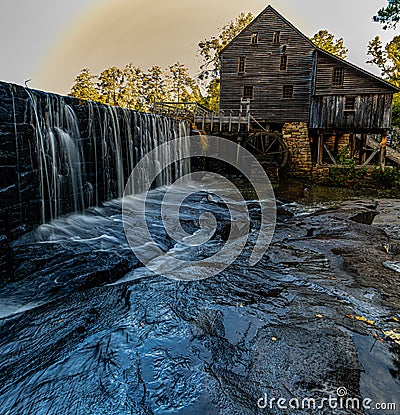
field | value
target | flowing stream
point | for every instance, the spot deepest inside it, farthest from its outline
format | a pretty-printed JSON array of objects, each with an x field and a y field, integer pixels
[{"x": 86, "y": 329}]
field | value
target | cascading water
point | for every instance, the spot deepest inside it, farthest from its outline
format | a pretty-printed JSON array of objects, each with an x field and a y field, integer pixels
[
  {"x": 60, "y": 156},
  {"x": 80, "y": 165}
]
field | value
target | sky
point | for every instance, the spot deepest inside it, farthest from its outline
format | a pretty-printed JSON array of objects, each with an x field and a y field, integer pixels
[{"x": 50, "y": 41}]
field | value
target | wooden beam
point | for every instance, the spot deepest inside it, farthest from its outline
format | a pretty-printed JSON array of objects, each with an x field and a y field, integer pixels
[
  {"x": 383, "y": 151},
  {"x": 320, "y": 149},
  {"x": 353, "y": 141},
  {"x": 330, "y": 155},
  {"x": 376, "y": 151}
]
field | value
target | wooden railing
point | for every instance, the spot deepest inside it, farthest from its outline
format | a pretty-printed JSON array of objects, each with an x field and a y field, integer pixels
[
  {"x": 205, "y": 118},
  {"x": 184, "y": 110}
]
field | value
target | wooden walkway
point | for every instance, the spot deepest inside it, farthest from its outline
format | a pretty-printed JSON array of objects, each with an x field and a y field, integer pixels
[{"x": 210, "y": 121}]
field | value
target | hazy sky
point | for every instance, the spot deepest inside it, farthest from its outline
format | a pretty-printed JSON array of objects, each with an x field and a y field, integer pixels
[{"x": 49, "y": 41}]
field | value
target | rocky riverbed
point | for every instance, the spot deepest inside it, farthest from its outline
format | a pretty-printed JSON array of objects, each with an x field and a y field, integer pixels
[{"x": 86, "y": 330}]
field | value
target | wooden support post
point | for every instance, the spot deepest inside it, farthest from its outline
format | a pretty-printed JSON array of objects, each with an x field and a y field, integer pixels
[
  {"x": 212, "y": 122},
  {"x": 383, "y": 151},
  {"x": 248, "y": 121},
  {"x": 203, "y": 123},
  {"x": 330, "y": 155},
  {"x": 352, "y": 145},
  {"x": 221, "y": 120},
  {"x": 320, "y": 149},
  {"x": 230, "y": 121},
  {"x": 363, "y": 149},
  {"x": 240, "y": 119}
]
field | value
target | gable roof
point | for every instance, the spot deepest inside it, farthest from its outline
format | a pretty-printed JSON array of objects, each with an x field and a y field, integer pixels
[
  {"x": 357, "y": 68},
  {"x": 306, "y": 39}
]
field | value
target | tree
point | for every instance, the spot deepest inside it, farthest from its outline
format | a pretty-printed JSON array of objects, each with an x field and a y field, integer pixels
[
  {"x": 131, "y": 92},
  {"x": 388, "y": 61},
  {"x": 389, "y": 16},
  {"x": 110, "y": 85},
  {"x": 210, "y": 48},
  {"x": 326, "y": 41},
  {"x": 181, "y": 86},
  {"x": 84, "y": 86},
  {"x": 154, "y": 87},
  {"x": 211, "y": 100},
  {"x": 386, "y": 58},
  {"x": 396, "y": 111}
]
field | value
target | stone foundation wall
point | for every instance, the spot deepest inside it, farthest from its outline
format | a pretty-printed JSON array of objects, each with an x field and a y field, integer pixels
[
  {"x": 343, "y": 140},
  {"x": 295, "y": 136}
]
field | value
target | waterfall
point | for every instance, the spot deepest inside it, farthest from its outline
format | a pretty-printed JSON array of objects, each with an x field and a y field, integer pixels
[
  {"x": 85, "y": 151},
  {"x": 60, "y": 156}
]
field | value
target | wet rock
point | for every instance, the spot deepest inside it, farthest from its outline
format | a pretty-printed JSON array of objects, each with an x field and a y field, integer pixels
[
  {"x": 365, "y": 217},
  {"x": 224, "y": 230},
  {"x": 284, "y": 213}
]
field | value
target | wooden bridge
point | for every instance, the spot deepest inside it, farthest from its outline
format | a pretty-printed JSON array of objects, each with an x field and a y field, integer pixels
[
  {"x": 210, "y": 121},
  {"x": 266, "y": 145}
]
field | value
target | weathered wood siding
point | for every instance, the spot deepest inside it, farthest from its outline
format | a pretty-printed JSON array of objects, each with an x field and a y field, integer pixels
[
  {"x": 355, "y": 81},
  {"x": 316, "y": 100},
  {"x": 263, "y": 72},
  {"x": 371, "y": 111}
]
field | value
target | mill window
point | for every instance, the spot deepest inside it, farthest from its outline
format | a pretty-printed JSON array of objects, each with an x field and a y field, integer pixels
[
  {"x": 287, "y": 91},
  {"x": 242, "y": 64},
  {"x": 254, "y": 38},
  {"x": 350, "y": 104},
  {"x": 338, "y": 77},
  {"x": 277, "y": 37},
  {"x": 248, "y": 92},
  {"x": 283, "y": 66}
]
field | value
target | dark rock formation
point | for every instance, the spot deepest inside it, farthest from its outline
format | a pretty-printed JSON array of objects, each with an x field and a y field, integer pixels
[{"x": 60, "y": 154}]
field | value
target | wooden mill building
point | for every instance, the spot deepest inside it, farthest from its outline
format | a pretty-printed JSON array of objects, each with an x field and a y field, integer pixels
[{"x": 319, "y": 102}]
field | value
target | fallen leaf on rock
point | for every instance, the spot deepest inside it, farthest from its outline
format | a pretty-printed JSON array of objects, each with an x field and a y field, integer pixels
[
  {"x": 360, "y": 318},
  {"x": 379, "y": 339},
  {"x": 364, "y": 320},
  {"x": 319, "y": 316},
  {"x": 274, "y": 339},
  {"x": 393, "y": 336}
]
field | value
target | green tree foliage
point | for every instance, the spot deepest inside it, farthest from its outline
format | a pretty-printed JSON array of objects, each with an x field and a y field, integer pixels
[
  {"x": 154, "y": 86},
  {"x": 111, "y": 82},
  {"x": 210, "y": 48},
  {"x": 386, "y": 58},
  {"x": 85, "y": 87},
  {"x": 396, "y": 111},
  {"x": 137, "y": 90},
  {"x": 211, "y": 100},
  {"x": 389, "y": 16},
  {"x": 181, "y": 86},
  {"x": 326, "y": 41},
  {"x": 388, "y": 61},
  {"x": 131, "y": 93}
]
